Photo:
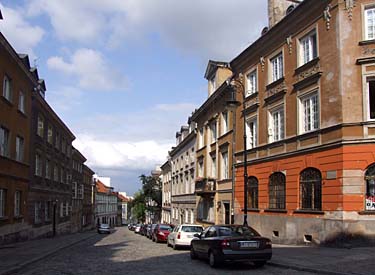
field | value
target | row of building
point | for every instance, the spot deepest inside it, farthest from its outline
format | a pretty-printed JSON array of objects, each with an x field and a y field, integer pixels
[
  {"x": 45, "y": 186},
  {"x": 286, "y": 137}
]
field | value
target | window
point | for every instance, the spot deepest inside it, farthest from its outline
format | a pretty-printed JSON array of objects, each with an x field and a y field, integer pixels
[
  {"x": 3, "y": 196},
  {"x": 212, "y": 84},
  {"x": 37, "y": 214},
  {"x": 251, "y": 133},
  {"x": 311, "y": 189},
  {"x": 370, "y": 23},
  {"x": 308, "y": 48},
  {"x": 200, "y": 168},
  {"x": 252, "y": 193},
  {"x": 55, "y": 173},
  {"x": 62, "y": 175},
  {"x": 371, "y": 99},
  {"x": 370, "y": 188},
  {"x": 251, "y": 83},
  {"x": 57, "y": 140},
  {"x": 224, "y": 123},
  {"x": 4, "y": 142},
  {"x": 21, "y": 102},
  {"x": 50, "y": 134},
  {"x": 277, "y": 191},
  {"x": 7, "y": 88},
  {"x": 213, "y": 132},
  {"x": 63, "y": 145},
  {"x": 62, "y": 210},
  {"x": 20, "y": 143},
  {"x": 224, "y": 165},
  {"x": 40, "y": 131},
  {"x": 276, "y": 125},
  {"x": 200, "y": 138},
  {"x": 310, "y": 112},
  {"x": 213, "y": 165},
  {"x": 48, "y": 169},
  {"x": 17, "y": 203},
  {"x": 38, "y": 165},
  {"x": 277, "y": 67}
]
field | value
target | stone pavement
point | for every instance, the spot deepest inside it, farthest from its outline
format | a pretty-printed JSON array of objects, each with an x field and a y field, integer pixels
[
  {"x": 320, "y": 260},
  {"x": 14, "y": 257}
]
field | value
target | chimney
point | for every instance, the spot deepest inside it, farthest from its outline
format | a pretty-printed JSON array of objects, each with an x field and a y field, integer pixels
[
  {"x": 1, "y": 16},
  {"x": 277, "y": 9}
]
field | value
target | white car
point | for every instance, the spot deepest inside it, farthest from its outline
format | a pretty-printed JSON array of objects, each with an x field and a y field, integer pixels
[
  {"x": 104, "y": 228},
  {"x": 183, "y": 234},
  {"x": 137, "y": 228}
]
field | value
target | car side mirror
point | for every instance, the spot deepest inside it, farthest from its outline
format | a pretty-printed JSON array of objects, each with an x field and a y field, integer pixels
[{"x": 196, "y": 235}]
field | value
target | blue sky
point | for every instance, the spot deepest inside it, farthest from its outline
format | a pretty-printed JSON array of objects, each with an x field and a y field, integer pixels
[{"x": 124, "y": 75}]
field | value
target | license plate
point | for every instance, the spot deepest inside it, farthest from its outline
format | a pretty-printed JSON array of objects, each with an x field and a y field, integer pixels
[{"x": 249, "y": 244}]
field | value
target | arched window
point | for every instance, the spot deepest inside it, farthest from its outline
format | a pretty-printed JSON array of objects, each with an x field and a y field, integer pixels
[
  {"x": 311, "y": 189},
  {"x": 252, "y": 195},
  {"x": 370, "y": 188},
  {"x": 277, "y": 191}
]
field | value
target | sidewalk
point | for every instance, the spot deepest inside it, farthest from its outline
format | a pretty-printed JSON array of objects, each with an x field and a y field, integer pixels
[
  {"x": 324, "y": 260},
  {"x": 14, "y": 257}
]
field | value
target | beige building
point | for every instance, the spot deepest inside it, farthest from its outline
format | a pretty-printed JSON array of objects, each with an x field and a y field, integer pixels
[{"x": 166, "y": 192}]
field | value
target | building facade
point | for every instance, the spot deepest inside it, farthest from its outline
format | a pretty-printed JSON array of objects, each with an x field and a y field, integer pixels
[
  {"x": 309, "y": 85},
  {"x": 88, "y": 221},
  {"x": 182, "y": 159},
  {"x": 77, "y": 217},
  {"x": 105, "y": 204},
  {"x": 166, "y": 192},
  {"x": 17, "y": 85},
  {"x": 214, "y": 178}
]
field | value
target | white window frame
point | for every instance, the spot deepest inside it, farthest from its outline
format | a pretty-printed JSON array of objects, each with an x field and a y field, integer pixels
[
  {"x": 251, "y": 132},
  {"x": 368, "y": 98},
  {"x": 21, "y": 102},
  {"x": 37, "y": 206},
  {"x": 276, "y": 131},
  {"x": 4, "y": 141},
  {"x": 40, "y": 129},
  {"x": 251, "y": 82},
  {"x": 224, "y": 122},
  {"x": 38, "y": 165},
  {"x": 213, "y": 131},
  {"x": 20, "y": 148},
  {"x": 17, "y": 203},
  {"x": 213, "y": 165},
  {"x": 277, "y": 67},
  {"x": 48, "y": 169},
  {"x": 201, "y": 138},
  {"x": 7, "y": 88},
  {"x": 212, "y": 84},
  {"x": 200, "y": 167},
  {"x": 224, "y": 171},
  {"x": 50, "y": 134},
  {"x": 369, "y": 35},
  {"x": 309, "y": 121},
  {"x": 308, "y": 47}
]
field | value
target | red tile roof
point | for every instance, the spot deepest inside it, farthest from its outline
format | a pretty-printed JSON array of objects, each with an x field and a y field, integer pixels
[{"x": 101, "y": 187}]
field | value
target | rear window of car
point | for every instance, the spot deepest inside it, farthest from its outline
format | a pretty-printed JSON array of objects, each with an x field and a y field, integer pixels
[
  {"x": 237, "y": 231},
  {"x": 191, "y": 229},
  {"x": 164, "y": 227}
]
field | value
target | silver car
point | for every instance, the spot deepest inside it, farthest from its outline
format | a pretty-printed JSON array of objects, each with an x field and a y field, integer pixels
[{"x": 104, "y": 228}]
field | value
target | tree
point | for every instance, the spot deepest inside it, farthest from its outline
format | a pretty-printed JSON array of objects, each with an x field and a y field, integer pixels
[{"x": 152, "y": 189}]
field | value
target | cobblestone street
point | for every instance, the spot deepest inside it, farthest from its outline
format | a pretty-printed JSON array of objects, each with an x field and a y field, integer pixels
[{"x": 125, "y": 252}]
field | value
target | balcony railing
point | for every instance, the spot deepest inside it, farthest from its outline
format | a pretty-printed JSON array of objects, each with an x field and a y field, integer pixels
[{"x": 205, "y": 186}]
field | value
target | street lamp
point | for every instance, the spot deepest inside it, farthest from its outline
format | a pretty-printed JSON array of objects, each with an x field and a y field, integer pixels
[{"x": 234, "y": 86}]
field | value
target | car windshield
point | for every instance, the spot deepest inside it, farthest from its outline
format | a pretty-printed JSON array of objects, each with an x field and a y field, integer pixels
[
  {"x": 104, "y": 226},
  {"x": 164, "y": 227},
  {"x": 237, "y": 231},
  {"x": 191, "y": 229}
]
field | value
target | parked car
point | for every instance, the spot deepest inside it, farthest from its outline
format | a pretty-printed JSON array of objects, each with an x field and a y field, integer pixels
[
  {"x": 104, "y": 228},
  {"x": 131, "y": 226},
  {"x": 137, "y": 228},
  {"x": 150, "y": 230},
  {"x": 161, "y": 232},
  {"x": 182, "y": 235},
  {"x": 219, "y": 243},
  {"x": 142, "y": 229}
]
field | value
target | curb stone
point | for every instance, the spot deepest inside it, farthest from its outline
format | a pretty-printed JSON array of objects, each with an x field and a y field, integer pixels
[{"x": 20, "y": 266}]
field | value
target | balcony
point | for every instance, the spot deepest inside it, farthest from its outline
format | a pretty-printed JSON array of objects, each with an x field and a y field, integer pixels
[{"x": 205, "y": 186}]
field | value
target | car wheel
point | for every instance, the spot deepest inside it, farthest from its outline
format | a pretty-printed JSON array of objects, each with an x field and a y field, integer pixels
[
  {"x": 175, "y": 246},
  {"x": 212, "y": 259},
  {"x": 260, "y": 263},
  {"x": 153, "y": 239},
  {"x": 156, "y": 240},
  {"x": 193, "y": 255}
]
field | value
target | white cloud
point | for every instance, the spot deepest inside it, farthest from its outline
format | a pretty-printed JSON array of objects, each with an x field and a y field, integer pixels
[
  {"x": 91, "y": 69},
  {"x": 21, "y": 34},
  {"x": 216, "y": 29},
  {"x": 64, "y": 98}
]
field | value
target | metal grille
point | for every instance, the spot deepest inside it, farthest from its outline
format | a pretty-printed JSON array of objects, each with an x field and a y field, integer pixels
[
  {"x": 252, "y": 193},
  {"x": 277, "y": 191},
  {"x": 311, "y": 189},
  {"x": 370, "y": 181}
]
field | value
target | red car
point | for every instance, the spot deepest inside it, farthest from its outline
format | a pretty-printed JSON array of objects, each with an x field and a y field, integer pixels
[{"x": 161, "y": 233}]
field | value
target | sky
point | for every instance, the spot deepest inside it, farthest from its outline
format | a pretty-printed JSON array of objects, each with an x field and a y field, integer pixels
[{"x": 125, "y": 75}]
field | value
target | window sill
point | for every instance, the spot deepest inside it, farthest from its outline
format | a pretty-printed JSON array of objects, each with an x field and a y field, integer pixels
[
  {"x": 367, "y": 212},
  {"x": 22, "y": 113},
  {"x": 7, "y": 101},
  {"x": 366, "y": 42},
  {"x": 307, "y": 65},
  {"x": 275, "y": 83},
  {"x": 275, "y": 210},
  {"x": 312, "y": 212},
  {"x": 255, "y": 210},
  {"x": 251, "y": 96},
  {"x": 19, "y": 217}
]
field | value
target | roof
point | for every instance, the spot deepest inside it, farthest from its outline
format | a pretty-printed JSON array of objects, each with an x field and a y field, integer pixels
[
  {"x": 102, "y": 188},
  {"x": 78, "y": 154},
  {"x": 122, "y": 198},
  {"x": 212, "y": 66}
]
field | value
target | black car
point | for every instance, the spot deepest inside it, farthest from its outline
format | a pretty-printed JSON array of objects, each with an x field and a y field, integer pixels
[{"x": 219, "y": 243}]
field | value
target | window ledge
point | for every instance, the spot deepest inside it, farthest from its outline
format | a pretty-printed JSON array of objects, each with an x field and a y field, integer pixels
[
  {"x": 255, "y": 210},
  {"x": 307, "y": 65},
  {"x": 21, "y": 113},
  {"x": 367, "y": 212},
  {"x": 276, "y": 210},
  {"x": 275, "y": 83},
  {"x": 251, "y": 96},
  {"x": 366, "y": 42},
  {"x": 313, "y": 212},
  {"x": 7, "y": 101}
]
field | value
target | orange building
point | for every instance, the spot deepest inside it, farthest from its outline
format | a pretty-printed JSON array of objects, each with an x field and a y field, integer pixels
[{"x": 309, "y": 85}]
